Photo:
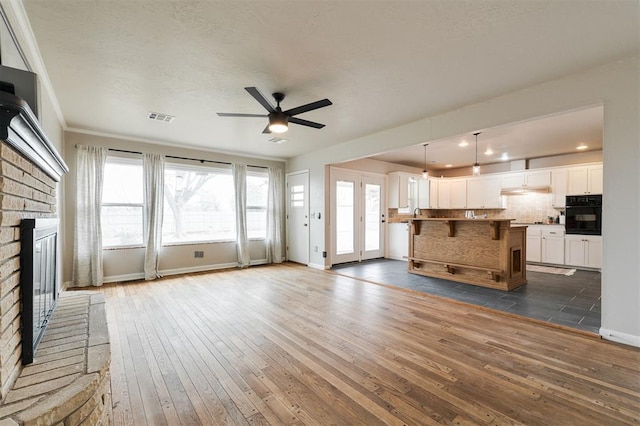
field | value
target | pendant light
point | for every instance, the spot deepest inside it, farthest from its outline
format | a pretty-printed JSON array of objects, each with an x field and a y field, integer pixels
[
  {"x": 476, "y": 166},
  {"x": 425, "y": 173}
]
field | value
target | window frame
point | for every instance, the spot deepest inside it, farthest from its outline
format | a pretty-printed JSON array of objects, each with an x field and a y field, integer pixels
[
  {"x": 259, "y": 172},
  {"x": 126, "y": 158},
  {"x": 189, "y": 166}
]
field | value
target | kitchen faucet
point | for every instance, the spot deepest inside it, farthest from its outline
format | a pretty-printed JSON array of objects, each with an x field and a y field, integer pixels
[{"x": 414, "y": 211}]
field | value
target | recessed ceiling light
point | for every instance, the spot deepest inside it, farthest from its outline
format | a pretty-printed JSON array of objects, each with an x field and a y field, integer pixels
[
  {"x": 582, "y": 147},
  {"x": 504, "y": 156},
  {"x": 449, "y": 166},
  {"x": 463, "y": 144},
  {"x": 489, "y": 151}
]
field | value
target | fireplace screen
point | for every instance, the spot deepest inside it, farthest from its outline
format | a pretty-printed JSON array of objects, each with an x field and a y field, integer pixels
[{"x": 38, "y": 280}]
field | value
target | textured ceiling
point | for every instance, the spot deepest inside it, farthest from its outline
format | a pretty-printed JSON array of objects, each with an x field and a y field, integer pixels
[{"x": 381, "y": 63}]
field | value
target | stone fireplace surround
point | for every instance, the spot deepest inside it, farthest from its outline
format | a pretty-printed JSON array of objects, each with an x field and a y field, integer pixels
[{"x": 68, "y": 383}]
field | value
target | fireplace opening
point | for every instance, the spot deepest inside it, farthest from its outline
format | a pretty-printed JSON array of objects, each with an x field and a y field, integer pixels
[{"x": 38, "y": 282}]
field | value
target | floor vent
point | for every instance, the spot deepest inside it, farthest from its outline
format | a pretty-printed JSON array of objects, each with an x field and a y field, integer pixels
[{"x": 161, "y": 117}]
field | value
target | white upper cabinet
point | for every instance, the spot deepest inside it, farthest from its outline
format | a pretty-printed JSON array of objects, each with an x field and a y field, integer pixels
[
  {"x": 402, "y": 191},
  {"x": 513, "y": 180},
  {"x": 538, "y": 178},
  {"x": 447, "y": 193},
  {"x": 529, "y": 179},
  {"x": 433, "y": 194},
  {"x": 584, "y": 180},
  {"x": 444, "y": 194},
  {"x": 395, "y": 197},
  {"x": 559, "y": 187},
  {"x": 406, "y": 191},
  {"x": 484, "y": 193},
  {"x": 458, "y": 194},
  {"x": 424, "y": 193}
]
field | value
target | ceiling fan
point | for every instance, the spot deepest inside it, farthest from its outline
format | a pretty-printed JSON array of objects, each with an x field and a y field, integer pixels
[{"x": 279, "y": 120}]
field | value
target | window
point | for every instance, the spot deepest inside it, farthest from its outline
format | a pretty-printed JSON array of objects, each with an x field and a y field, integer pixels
[
  {"x": 199, "y": 204},
  {"x": 122, "y": 212},
  {"x": 257, "y": 194}
]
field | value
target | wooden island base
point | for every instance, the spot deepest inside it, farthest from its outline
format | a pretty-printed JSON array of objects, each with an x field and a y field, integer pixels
[{"x": 483, "y": 252}]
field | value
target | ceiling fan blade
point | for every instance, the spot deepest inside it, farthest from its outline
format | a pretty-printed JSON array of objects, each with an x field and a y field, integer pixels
[
  {"x": 253, "y": 91},
  {"x": 233, "y": 114},
  {"x": 308, "y": 107},
  {"x": 305, "y": 122},
  {"x": 266, "y": 130}
]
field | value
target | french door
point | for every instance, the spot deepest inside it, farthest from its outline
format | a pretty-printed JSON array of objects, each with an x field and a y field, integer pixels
[{"x": 357, "y": 216}]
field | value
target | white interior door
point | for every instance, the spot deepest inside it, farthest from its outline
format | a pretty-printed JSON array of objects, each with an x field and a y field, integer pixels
[
  {"x": 298, "y": 217},
  {"x": 357, "y": 216}
]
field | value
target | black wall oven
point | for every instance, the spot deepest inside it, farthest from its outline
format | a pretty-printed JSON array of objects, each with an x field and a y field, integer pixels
[{"x": 584, "y": 214}]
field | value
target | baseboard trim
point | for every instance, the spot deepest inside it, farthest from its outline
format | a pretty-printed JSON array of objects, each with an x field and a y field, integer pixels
[
  {"x": 318, "y": 266},
  {"x": 179, "y": 271},
  {"x": 620, "y": 337},
  {"x": 204, "y": 268},
  {"x": 123, "y": 277},
  {"x": 403, "y": 258}
]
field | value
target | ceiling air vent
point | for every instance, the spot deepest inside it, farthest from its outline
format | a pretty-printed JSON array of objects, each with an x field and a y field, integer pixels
[
  {"x": 277, "y": 140},
  {"x": 161, "y": 117}
]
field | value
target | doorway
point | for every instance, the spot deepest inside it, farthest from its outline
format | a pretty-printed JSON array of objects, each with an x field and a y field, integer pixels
[
  {"x": 357, "y": 216},
  {"x": 297, "y": 211}
]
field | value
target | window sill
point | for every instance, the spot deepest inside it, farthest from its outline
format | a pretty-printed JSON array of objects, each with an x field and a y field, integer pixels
[
  {"x": 196, "y": 243},
  {"x": 123, "y": 247},
  {"x": 177, "y": 244}
]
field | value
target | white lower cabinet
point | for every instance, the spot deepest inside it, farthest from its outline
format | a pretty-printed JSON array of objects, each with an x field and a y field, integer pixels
[
  {"x": 534, "y": 247},
  {"x": 397, "y": 241},
  {"x": 545, "y": 243},
  {"x": 583, "y": 250},
  {"x": 553, "y": 249}
]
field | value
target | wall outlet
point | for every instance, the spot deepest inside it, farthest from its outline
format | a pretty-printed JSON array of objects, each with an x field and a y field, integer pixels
[
  {"x": 315, "y": 249},
  {"x": 198, "y": 254},
  {"x": 324, "y": 254}
]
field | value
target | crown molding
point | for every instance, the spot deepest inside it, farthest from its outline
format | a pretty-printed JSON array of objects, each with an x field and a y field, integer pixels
[{"x": 22, "y": 33}]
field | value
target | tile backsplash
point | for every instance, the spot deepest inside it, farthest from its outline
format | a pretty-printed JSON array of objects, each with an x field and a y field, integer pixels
[{"x": 529, "y": 208}]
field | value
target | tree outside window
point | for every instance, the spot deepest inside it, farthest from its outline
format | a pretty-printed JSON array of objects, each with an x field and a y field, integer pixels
[{"x": 199, "y": 205}]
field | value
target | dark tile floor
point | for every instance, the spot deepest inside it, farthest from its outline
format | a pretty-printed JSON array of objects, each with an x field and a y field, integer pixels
[{"x": 572, "y": 301}]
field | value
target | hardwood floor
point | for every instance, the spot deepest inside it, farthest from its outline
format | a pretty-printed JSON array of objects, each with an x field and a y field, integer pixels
[{"x": 289, "y": 345}]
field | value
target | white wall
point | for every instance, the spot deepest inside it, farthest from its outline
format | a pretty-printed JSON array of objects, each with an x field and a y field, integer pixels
[
  {"x": 617, "y": 87},
  {"x": 127, "y": 264}
]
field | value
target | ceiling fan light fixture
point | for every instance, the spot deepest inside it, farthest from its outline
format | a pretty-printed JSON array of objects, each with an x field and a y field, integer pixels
[{"x": 278, "y": 122}]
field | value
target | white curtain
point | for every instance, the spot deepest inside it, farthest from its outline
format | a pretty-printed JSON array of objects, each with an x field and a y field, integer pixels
[
  {"x": 153, "y": 165},
  {"x": 242, "y": 241},
  {"x": 87, "y": 247},
  {"x": 274, "y": 216}
]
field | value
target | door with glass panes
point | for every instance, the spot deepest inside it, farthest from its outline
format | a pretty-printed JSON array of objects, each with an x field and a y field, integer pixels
[{"x": 357, "y": 216}]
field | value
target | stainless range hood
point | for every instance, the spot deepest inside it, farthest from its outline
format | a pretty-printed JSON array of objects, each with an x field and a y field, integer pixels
[{"x": 522, "y": 190}]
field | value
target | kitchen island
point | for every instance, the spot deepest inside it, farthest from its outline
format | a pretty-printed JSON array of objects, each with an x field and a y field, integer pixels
[{"x": 484, "y": 252}]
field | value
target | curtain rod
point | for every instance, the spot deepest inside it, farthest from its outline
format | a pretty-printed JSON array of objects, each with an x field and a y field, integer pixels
[{"x": 185, "y": 158}]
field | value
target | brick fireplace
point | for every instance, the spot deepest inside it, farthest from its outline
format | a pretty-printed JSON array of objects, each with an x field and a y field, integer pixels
[{"x": 29, "y": 171}]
